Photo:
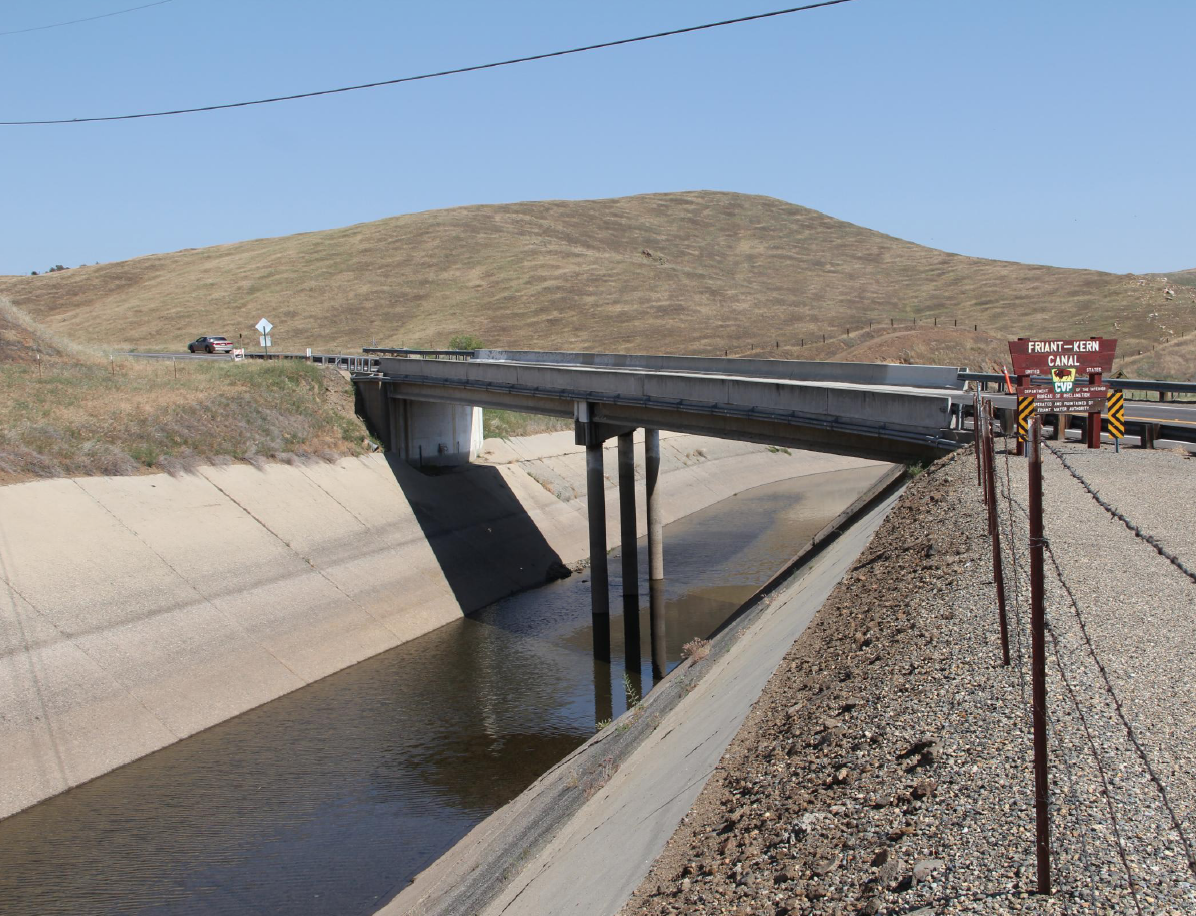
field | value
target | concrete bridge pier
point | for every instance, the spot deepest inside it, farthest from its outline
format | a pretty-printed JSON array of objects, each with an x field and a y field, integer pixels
[
  {"x": 599, "y": 587},
  {"x": 630, "y": 552},
  {"x": 656, "y": 623}
]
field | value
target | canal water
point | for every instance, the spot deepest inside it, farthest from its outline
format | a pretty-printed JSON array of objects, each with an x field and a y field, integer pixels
[{"x": 330, "y": 799}]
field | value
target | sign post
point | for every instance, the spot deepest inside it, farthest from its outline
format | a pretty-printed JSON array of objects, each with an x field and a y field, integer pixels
[
  {"x": 264, "y": 328},
  {"x": 1117, "y": 418},
  {"x": 1062, "y": 361},
  {"x": 994, "y": 525}
]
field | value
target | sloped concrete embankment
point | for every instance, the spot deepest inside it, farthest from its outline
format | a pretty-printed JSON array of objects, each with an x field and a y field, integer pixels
[{"x": 135, "y": 611}]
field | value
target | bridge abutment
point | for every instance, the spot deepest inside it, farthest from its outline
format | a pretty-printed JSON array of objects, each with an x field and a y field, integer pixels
[{"x": 423, "y": 433}]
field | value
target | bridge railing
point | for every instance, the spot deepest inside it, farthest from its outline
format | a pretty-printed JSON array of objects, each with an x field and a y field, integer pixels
[{"x": 406, "y": 353}]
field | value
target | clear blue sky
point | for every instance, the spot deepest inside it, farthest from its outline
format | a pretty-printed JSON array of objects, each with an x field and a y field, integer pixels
[{"x": 1052, "y": 132}]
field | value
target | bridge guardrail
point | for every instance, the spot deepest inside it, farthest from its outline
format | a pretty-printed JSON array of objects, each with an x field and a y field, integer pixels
[
  {"x": 407, "y": 353},
  {"x": 1124, "y": 384}
]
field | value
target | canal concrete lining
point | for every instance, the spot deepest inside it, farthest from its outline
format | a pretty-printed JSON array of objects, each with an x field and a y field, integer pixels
[
  {"x": 584, "y": 834},
  {"x": 136, "y": 611}
]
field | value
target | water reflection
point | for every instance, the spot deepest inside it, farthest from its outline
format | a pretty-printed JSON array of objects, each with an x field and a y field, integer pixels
[{"x": 328, "y": 800}]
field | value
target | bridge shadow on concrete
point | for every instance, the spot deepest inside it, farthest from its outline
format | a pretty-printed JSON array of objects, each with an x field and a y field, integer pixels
[{"x": 482, "y": 537}]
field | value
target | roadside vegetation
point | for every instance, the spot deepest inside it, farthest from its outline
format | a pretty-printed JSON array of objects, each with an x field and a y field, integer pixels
[
  {"x": 69, "y": 411},
  {"x": 508, "y": 424}
]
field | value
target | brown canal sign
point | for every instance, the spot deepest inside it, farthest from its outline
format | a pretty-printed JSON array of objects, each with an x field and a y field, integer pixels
[
  {"x": 1074, "y": 368},
  {"x": 1039, "y": 357}
]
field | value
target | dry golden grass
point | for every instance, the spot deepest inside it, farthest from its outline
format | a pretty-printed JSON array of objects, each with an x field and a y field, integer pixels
[
  {"x": 695, "y": 272},
  {"x": 68, "y": 417},
  {"x": 24, "y": 340},
  {"x": 1174, "y": 360}
]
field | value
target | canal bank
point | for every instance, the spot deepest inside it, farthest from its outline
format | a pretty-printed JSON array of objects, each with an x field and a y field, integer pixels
[
  {"x": 582, "y": 836},
  {"x": 138, "y": 611}
]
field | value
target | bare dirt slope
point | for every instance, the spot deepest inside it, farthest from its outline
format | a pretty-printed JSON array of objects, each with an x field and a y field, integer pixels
[{"x": 696, "y": 272}]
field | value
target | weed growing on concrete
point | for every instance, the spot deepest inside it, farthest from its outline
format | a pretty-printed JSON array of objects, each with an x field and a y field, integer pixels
[
  {"x": 696, "y": 649},
  {"x": 776, "y": 449},
  {"x": 601, "y": 724},
  {"x": 633, "y": 696}
]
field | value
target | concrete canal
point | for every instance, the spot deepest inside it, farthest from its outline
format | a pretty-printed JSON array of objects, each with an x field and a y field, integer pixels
[{"x": 330, "y": 799}]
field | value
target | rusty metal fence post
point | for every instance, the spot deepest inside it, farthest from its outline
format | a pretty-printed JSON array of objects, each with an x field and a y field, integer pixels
[
  {"x": 994, "y": 528},
  {"x": 1038, "y": 647},
  {"x": 976, "y": 437}
]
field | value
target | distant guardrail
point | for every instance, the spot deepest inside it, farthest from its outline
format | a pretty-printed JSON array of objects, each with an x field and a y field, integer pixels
[
  {"x": 347, "y": 361},
  {"x": 406, "y": 353},
  {"x": 1124, "y": 384}
]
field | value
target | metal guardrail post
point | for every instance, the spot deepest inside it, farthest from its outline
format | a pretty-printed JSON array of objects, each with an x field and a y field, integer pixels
[
  {"x": 994, "y": 530},
  {"x": 976, "y": 438}
]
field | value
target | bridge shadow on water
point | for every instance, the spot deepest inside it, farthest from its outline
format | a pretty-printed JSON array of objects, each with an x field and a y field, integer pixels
[{"x": 483, "y": 539}]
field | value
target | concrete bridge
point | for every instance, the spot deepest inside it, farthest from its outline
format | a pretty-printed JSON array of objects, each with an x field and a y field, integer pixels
[{"x": 427, "y": 407}]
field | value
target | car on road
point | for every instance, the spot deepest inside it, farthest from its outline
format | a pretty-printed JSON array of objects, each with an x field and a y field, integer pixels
[{"x": 211, "y": 345}]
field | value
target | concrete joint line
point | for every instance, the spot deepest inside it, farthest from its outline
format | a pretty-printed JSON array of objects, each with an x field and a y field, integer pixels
[
  {"x": 204, "y": 598},
  {"x": 59, "y": 763},
  {"x": 672, "y": 798},
  {"x": 315, "y": 483},
  {"x": 319, "y": 572}
]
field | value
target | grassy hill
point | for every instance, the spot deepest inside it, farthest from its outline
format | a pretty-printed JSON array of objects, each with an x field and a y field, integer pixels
[{"x": 698, "y": 272}]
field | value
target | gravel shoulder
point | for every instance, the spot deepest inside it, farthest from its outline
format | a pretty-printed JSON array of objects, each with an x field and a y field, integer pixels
[{"x": 886, "y": 768}]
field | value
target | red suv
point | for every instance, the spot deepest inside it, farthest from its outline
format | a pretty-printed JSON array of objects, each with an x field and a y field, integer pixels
[{"x": 211, "y": 345}]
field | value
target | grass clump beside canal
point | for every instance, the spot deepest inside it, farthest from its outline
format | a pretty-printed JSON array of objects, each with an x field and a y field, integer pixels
[
  {"x": 74, "y": 415},
  {"x": 508, "y": 424}
]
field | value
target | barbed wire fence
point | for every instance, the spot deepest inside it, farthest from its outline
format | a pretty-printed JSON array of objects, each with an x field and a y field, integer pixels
[{"x": 1067, "y": 679}]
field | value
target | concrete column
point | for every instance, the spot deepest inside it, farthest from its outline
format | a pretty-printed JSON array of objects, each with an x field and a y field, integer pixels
[
  {"x": 395, "y": 419},
  {"x": 630, "y": 552},
  {"x": 656, "y": 625},
  {"x": 655, "y": 525},
  {"x": 599, "y": 589},
  {"x": 603, "y": 699},
  {"x": 656, "y": 620}
]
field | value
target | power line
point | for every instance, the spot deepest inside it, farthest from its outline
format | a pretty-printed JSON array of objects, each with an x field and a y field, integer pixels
[
  {"x": 438, "y": 73},
  {"x": 58, "y": 25}
]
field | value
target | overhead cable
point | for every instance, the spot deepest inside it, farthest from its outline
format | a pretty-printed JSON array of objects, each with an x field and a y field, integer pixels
[
  {"x": 436, "y": 74},
  {"x": 58, "y": 25}
]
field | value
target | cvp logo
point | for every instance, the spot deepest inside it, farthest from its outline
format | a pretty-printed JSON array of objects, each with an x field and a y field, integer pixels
[{"x": 1064, "y": 378}]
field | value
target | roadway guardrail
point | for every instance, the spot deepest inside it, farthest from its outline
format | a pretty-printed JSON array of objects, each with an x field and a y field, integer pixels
[{"x": 1124, "y": 384}]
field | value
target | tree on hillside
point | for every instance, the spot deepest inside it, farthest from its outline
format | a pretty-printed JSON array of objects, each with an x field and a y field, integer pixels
[{"x": 465, "y": 342}]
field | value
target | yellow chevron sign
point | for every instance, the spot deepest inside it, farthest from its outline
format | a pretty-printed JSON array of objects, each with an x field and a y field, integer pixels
[
  {"x": 1025, "y": 412},
  {"x": 1116, "y": 415}
]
